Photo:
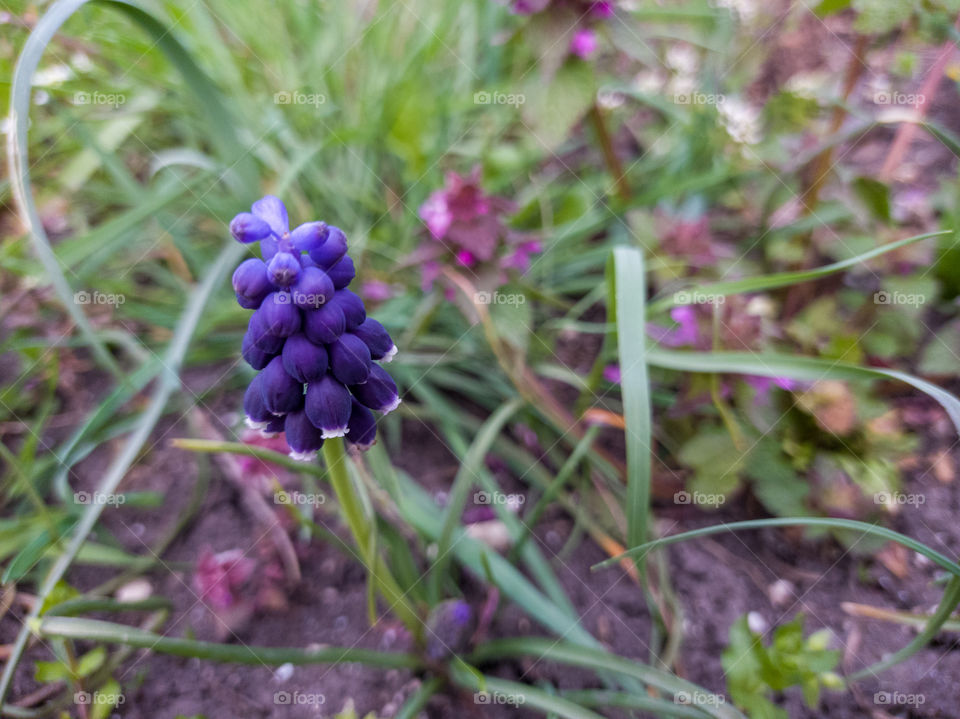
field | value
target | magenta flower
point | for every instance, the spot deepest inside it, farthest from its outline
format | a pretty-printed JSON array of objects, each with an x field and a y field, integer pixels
[
  {"x": 686, "y": 333},
  {"x": 220, "y": 578},
  {"x": 468, "y": 229},
  {"x": 612, "y": 374},
  {"x": 376, "y": 291},
  {"x": 584, "y": 43}
]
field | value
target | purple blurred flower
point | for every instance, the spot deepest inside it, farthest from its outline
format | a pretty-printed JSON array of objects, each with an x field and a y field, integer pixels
[
  {"x": 519, "y": 259},
  {"x": 612, "y": 374},
  {"x": 763, "y": 385},
  {"x": 687, "y": 331},
  {"x": 584, "y": 43},
  {"x": 376, "y": 291},
  {"x": 219, "y": 578},
  {"x": 587, "y": 13},
  {"x": 468, "y": 229}
]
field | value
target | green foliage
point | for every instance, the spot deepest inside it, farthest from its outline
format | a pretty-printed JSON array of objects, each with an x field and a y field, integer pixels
[{"x": 755, "y": 671}]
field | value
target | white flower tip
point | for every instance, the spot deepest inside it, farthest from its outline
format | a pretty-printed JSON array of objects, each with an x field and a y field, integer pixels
[
  {"x": 303, "y": 456},
  {"x": 386, "y": 409},
  {"x": 254, "y": 425},
  {"x": 268, "y": 435},
  {"x": 334, "y": 433},
  {"x": 391, "y": 353}
]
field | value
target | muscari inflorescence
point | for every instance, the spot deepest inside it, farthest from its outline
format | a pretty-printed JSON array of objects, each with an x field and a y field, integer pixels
[{"x": 309, "y": 336}]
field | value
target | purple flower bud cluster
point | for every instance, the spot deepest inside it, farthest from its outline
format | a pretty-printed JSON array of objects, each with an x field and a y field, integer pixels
[{"x": 309, "y": 336}]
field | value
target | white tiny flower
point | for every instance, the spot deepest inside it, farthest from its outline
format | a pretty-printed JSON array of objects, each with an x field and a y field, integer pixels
[{"x": 53, "y": 75}]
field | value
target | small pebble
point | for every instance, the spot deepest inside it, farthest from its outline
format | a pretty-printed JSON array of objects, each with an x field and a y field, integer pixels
[
  {"x": 135, "y": 591},
  {"x": 780, "y": 592},
  {"x": 283, "y": 673},
  {"x": 756, "y": 622}
]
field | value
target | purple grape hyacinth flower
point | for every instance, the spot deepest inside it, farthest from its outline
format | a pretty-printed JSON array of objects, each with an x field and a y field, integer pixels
[{"x": 309, "y": 336}]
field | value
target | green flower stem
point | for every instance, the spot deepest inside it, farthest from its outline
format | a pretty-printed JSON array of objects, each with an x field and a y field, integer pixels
[
  {"x": 100, "y": 631},
  {"x": 335, "y": 457}
]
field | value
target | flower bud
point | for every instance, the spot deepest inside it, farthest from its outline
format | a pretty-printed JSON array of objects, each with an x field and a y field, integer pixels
[
  {"x": 362, "y": 427},
  {"x": 281, "y": 392},
  {"x": 327, "y": 406},
  {"x": 261, "y": 336},
  {"x": 303, "y": 360},
  {"x": 341, "y": 273},
  {"x": 312, "y": 289},
  {"x": 248, "y": 228},
  {"x": 324, "y": 324},
  {"x": 253, "y": 406},
  {"x": 304, "y": 439},
  {"x": 353, "y": 310},
  {"x": 273, "y": 212},
  {"x": 274, "y": 426},
  {"x": 250, "y": 283},
  {"x": 379, "y": 392},
  {"x": 254, "y": 356},
  {"x": 349, "y": 359},
  {"x": 376, "y": 337},
  {"x": 334, "y": 247},
  {"x": 283, "y": 269},
  {"x": 450, "y": 625},
  {"x": 279, "y": 315},
  {"x": 269, "y": 246},
  {"x": 309, "y": 236}
]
